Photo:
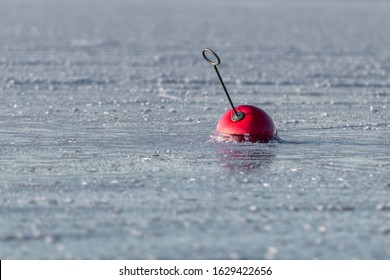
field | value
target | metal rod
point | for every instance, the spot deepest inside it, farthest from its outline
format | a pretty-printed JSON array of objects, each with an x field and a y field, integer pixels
[
  {"x": 237, "y": 115},
  {"x": 224, "y": 87}
]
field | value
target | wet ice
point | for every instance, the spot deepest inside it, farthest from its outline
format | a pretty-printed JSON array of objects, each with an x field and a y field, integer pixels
[{"x": 105, "y": 123}]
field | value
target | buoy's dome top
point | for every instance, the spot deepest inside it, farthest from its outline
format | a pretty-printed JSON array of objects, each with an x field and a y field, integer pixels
[{"x": 254, "y": 122}]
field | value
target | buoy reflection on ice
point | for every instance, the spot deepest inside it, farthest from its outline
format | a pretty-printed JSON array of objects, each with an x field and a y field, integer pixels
[{"x": 245, "y": 158}]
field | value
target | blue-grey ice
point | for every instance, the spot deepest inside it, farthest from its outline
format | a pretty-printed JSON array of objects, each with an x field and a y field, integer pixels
[{"x": 106, "y": 113}]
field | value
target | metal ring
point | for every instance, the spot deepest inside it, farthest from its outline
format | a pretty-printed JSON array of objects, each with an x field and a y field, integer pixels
[{"x": 215, "y": 63}]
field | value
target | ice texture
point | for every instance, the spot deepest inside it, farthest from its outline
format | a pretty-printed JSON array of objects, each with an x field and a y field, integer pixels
[{"x": 106, "y": 113}]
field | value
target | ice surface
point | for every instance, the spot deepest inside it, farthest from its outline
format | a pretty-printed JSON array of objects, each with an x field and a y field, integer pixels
[{"x": 106, "y": 110}]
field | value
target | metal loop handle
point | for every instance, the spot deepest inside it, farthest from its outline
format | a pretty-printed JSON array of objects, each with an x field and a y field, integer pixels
[{"x": 215, "y": 63}]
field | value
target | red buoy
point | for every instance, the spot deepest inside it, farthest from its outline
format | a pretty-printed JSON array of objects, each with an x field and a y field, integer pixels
[
  {"x": 255, "y": 125},
  {"x": 245, "y": 123}
]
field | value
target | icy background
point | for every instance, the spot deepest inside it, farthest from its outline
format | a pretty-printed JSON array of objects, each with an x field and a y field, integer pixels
[{"x": 105, "y": 114}]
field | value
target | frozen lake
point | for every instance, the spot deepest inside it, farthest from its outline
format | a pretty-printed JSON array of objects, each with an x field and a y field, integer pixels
[{"x": 106, "y": 112}]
